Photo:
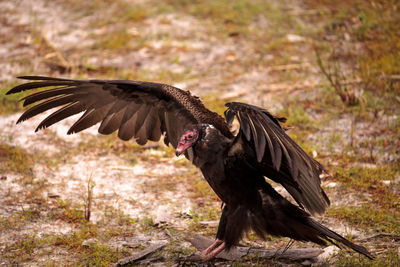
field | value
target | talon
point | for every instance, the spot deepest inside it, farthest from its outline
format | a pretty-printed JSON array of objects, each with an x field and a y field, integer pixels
[{"x": 213, "y": 250}]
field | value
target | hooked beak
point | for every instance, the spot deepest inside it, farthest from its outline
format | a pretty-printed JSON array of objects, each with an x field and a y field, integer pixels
[
  {"x": 179, "y": 151},
  {"x": 181, "y": 148}
]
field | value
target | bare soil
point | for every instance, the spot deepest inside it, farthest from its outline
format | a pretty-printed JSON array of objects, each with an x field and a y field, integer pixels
[{"x": 148, "y": 193}]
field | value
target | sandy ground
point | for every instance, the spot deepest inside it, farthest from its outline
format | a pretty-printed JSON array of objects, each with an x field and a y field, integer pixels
[{"x": 119, "y": 185}]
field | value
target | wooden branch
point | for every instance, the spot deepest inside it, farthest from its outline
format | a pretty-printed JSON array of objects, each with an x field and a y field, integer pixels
[
  {"x": 296, "y": 254},
  {"x": 141, "y": 254}
]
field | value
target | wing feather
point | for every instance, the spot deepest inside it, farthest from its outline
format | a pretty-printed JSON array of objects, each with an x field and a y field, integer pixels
[
  {"x": 244, "y": 125},
  {"x": 33, "y": 85},
  {"x": 127, "y": 127},
  {"x": 137, "y": 109},
  {"x": 277, "y": 156},
  {"x": 112, "y": 121},
  {"x": 62, "y": 113},
  {"x": 91, "y": 117},
  {"x": 33, "y": 98},
  {"x": 152, "y": 126},
  {"x": 46, "y": 105},
  {"x": 141, "y": 117},
  {"x": 258, "y": 138}
]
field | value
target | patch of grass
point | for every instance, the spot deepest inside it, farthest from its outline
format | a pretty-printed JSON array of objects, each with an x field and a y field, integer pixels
[
  {"x": 75, "y": 239},
  {"x": 336, "y": 79},
  {"x": 15, "y": 159},
  {"x": 121, "y": 10},
  {"x": 299, "y": 124},
  {"x": 23, "y": 249},
  {"x": 372, "y": 180},
  {"x": 30, "y": 214},
  {"x": 198, "y": 187},
  {"x": 101, "y": 144},
  {"x": 389, "y": 257},
  {"x": 119, "y": 39},
  {"x": 65, "y": 211},
  {"x": 369, "y": 218},
  {"x": 134, "y": 12},
  {"x": 146, "y": 223},
  {"x": 215, "y": 103},
  {"x": 297, "y": 115},
  {"x": 93, "y": 254},
  {"x": 158, "y": 184},
  {"x": 228, "y": 17},
  {"x": 373, "y": 52},
  {"x": 10, "y": 103},
  {"x": 20, "y": 218},
  {"x": 97, "y": 253},
  {"x": 100, "y": 255},
  {"x": 204, "y": 213},
  {"x": 395, "y": 126}
]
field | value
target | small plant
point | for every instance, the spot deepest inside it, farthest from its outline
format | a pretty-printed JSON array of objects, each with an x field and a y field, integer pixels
[
  {"x": 337, "y": 80},
  {"x": 89, "y": 198}
]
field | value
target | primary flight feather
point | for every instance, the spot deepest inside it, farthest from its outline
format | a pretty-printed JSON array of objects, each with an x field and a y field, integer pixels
[{"x": 235, "y": 166}]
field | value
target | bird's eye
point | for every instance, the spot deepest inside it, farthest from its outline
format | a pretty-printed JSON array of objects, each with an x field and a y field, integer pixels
[{"x": 190, "y": 136}]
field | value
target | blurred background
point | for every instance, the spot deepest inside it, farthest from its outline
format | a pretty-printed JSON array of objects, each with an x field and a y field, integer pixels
[{"x": 331, "y": 67}]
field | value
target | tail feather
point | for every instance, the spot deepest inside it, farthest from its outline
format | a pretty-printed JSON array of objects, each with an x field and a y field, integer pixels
[
  {"x": 280, "y": 217},
  {"x": 329, "y": 235}
]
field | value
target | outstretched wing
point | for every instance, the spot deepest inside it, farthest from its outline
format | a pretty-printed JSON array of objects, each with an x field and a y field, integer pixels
[
  {"x": 270, "y": 150},
  {"x": 141, "y": 110}
]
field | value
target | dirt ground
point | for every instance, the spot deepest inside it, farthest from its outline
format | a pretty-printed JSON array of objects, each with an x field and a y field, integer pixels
[{"x": 141, "y": 196}]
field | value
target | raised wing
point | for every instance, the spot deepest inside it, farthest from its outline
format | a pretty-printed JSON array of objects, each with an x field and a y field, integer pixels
[
  {"x": 140, "y": 110},
  {"x": 278, "y": 157}
]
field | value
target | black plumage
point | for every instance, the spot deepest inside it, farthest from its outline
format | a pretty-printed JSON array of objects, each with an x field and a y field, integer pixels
[{"x": 235, "y": 166}]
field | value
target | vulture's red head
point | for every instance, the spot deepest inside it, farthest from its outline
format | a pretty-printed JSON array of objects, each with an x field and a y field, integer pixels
[{"x": 187, "y": 140}]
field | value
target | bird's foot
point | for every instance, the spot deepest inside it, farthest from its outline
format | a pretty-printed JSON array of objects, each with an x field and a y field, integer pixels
[{"x": 213, "y": 250}]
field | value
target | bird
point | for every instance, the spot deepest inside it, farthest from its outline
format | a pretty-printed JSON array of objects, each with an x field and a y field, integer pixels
[{"x": 235, "y": 163}]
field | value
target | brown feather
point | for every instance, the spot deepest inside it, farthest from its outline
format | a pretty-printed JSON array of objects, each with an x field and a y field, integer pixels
[
  {"x": 90, "y": 118},
  {"x": 174, "y": 109},
  {"x": 33, "y": 85},
  {"x": 142, "y": 113},
  {"x": 30, "y": 99},
  {"x": 64, "y": 112},
  {"x": 112, "y": 122},
  {"x": 44, "y": 106},
  {"x": 286, "y": 163}
]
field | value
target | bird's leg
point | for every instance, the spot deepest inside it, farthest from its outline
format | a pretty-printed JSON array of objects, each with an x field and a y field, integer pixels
[
  {"x": 209, "y": 252},
  {"x": 205, "y": 252},
  {"x": 214, "y": 252},
  {"x": 288, "y": 245}
]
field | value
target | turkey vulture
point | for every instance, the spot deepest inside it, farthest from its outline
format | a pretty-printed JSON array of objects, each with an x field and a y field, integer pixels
[{"x": 234, "y": 165}]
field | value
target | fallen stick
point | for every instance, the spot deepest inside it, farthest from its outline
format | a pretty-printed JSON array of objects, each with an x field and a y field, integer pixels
[
  {"x": 141, "y": 254},
  {"x": 237, "y": 252}
]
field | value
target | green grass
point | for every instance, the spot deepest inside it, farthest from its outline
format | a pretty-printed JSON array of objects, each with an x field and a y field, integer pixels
[
  {"x": 371, "y": 180},
  {"x": 379, "y": 36},
  {"x": 92, "y": 254},
  {"x": 369, "y": 218},
  {"x": 388, "y": 258},
  {"x": 10, "y": 103},
  {"x": 119, "y": 39},
  {"x": 30, "y": 246},
  {"x": 233, "y": 16},
  {"x": 15, "y": 159},
  {"x": 261, "y": 27},
  {"x": 299, "y": 123}
]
